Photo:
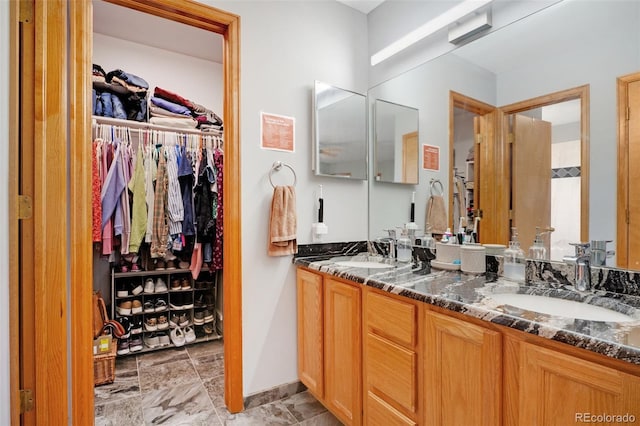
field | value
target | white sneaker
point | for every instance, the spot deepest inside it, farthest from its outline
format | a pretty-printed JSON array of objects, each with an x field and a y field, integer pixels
[
  {"x": 189, "y": 334},
  {"x": 177, "y": 337},
  {"x": 149, "y": 286},
  {"x": 161, "y": 286},
  {"x": 164, "y": 339},
  {"x": 151, "y": 340}
]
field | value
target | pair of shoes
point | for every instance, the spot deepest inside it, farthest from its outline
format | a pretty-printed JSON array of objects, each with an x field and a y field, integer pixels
[
  {"x": 171, "y": 265},
  {"x": 156, "y": 340},
  {"x": 208, "y": 328},
  {"x": 181, "y": 301},
  {"x": 126, "y": 346},
  {"x": 160, "y": 265},
  {"x": 158, "y": 306},
  {"x": 181, "y": 336},
  {"x": 176, "y": 284},
  {"x": 151, "y": 287}
]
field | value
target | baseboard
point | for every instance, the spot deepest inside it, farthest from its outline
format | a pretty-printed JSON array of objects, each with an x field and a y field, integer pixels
[{"x": 274, "y": 394}]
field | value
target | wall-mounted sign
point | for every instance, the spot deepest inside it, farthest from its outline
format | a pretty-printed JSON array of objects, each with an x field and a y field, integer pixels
[
  {"x": 431, "y": 157},
  {"x": 277, "y": 132}
]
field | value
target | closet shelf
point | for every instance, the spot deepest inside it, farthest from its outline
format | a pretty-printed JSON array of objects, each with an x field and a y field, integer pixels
[
  {"x": 151, "y": 273},
  {"x": 148, "y": 126}
]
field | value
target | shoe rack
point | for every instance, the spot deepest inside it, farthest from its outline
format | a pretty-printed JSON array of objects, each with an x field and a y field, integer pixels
[{"x": 153, "y": 304}]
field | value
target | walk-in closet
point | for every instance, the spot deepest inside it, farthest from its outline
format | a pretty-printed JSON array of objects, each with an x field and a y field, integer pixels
[{"x": 157, "y": 199}]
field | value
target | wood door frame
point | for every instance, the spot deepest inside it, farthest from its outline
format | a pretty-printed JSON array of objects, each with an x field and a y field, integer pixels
[
  {"x": 579, "y": 92},
  {"x": 486, "y": 170},
  {"x": 62, "y": 129},
  {"x": 405, "y": 153},
  {"x": 622, "y": 225}
]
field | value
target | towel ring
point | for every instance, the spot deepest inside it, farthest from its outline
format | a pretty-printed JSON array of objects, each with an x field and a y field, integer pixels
[
  {"x": 433, "y": 188},
  {"x": 277, "y": 166}
]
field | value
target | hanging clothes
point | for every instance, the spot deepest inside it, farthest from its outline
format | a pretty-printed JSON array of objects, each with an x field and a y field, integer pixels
[
  {"x": 139, "y": 207},
  {"x": 160, "y": 226},
  {"x": 185, "y": 177}
]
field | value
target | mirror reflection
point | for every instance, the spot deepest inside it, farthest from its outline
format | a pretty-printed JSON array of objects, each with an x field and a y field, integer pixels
[
  {"x": 396, "y": 143},
  {"x": 511, "y": 65},
  {"x": 340, "y": 132}
]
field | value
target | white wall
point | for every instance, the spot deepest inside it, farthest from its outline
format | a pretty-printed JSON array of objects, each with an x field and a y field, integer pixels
[
  {"x": 285, "y": 46},
  {"x": 598, "y": 64},
  {"x": 193, "y": 78},
  {"x": 427, "y": 89},
  {"x": 394, "y": 19},
  {"x": 5, "y": 397}
]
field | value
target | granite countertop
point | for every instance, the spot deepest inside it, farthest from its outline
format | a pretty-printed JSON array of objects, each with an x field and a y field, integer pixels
[{"x": 471, "y": 294}]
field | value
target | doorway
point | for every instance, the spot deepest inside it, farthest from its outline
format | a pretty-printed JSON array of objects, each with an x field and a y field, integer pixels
[
  {"x": 548, "y": 155},
  {"x": 628, "y": 215},
  {"x": 56, "y": 267}
]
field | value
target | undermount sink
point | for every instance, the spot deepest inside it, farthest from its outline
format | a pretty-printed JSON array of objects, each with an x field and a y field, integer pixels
[
  {"x": 559, "y": 307},
  {"x": 364, "y": 264}
]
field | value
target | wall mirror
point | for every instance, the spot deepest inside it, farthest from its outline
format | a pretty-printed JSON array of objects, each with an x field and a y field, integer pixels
[
  {"x": 395, "y": 143},
  {"x": 340, "y": 132},
  {"x": 516, "y": 63}
]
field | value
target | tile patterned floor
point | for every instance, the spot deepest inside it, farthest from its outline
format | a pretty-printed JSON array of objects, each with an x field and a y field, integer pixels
[{"x": 185, "y": 386}]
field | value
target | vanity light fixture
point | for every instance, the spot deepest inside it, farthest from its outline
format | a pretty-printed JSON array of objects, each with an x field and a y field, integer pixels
[
  {"x": 471, "y": 27},
  {"x": 439, "y": 22}
]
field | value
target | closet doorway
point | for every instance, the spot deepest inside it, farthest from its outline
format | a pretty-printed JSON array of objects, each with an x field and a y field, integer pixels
[{"x": 50, "y": 275}]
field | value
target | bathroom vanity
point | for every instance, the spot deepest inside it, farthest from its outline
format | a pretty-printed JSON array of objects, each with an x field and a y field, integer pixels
[{"x": 386, "y": 345}]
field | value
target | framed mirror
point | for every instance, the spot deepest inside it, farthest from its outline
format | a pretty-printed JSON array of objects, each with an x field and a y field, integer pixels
[
  {"x": 340, "y": 132},
  {"x": 396, "y": 149}
]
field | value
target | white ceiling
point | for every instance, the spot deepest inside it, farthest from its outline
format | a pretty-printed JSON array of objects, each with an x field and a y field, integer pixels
[
  {"x": 143, "y": 28},
  {"x": 364, "y": 6}
]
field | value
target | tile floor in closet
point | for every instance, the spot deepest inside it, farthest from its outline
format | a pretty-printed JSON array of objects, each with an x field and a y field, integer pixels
[{"x": 185, "y": 386}]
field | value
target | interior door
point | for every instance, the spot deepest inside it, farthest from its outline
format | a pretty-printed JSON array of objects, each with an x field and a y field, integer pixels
[
  {"x": 628, "y": 217},
  {"x": 410, "y": 157},
  {"x": 531, "y": 177}
]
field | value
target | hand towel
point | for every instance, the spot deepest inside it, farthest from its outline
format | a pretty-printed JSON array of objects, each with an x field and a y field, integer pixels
[
  {"x": 282, "y": 222},
  {"x": 436, "y": 221}
]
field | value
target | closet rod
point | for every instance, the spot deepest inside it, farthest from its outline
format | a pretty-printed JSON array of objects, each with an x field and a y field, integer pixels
[{"x": 148, "y": 126}]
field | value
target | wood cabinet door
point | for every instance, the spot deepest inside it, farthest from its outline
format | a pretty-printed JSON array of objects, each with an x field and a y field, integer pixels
[
  {"x": 558, "y": 389},
  {"x": 343, "y": 351},
  {"x": 463, "y": 373},
  {"x": 310, "y": 331},
  {"x": 379, "y": 413}
]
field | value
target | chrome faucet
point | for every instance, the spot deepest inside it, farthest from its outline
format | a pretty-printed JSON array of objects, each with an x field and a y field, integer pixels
[
  {"x": 581, "y": 262},
  {"x": 391, "y": 241}
]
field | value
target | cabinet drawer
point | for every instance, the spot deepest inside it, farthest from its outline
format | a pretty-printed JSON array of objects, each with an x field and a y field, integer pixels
[
  {"x": 391, "y": 318},
  {"x": 382, "y": 414},
  {"x": 391, "y": 371}
]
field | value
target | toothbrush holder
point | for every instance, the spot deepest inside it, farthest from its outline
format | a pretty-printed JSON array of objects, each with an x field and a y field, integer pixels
[{"x": 472, "y": 259}]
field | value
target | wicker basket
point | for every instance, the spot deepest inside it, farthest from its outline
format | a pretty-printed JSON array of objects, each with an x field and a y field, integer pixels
[{"x": 104, "y": 366}]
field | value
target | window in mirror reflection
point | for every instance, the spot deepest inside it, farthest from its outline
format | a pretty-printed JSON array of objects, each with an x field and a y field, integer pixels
[
  {"x": 396, "y": 143},
  {"x": 340, "y": 132}
]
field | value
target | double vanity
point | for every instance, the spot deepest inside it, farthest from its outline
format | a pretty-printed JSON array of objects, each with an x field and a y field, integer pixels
[{"x": 381, "y": 342}]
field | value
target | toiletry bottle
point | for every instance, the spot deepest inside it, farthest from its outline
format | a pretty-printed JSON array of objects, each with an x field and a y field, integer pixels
[
  {"x": 514, "y": 262},
  {"x": 404, "y": 247},
  {"x": 448, "y": 237},
  {"x": 538, "y": 251}
]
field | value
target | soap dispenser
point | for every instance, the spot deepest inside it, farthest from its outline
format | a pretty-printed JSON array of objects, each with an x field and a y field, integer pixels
[
  {"x": 404, "y": 247},
  {"x": 538, "y": 251},
  {"x": 514, "y": 262}
]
